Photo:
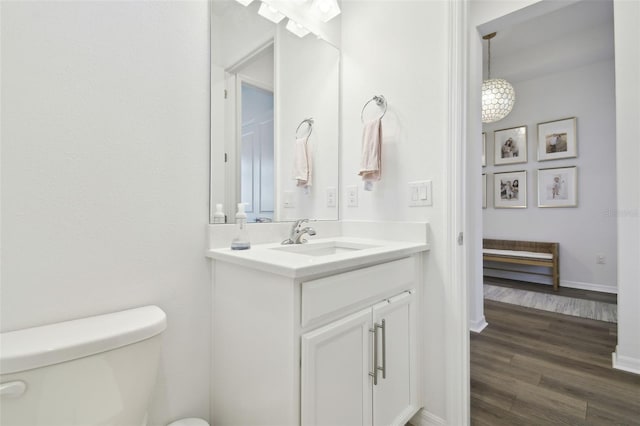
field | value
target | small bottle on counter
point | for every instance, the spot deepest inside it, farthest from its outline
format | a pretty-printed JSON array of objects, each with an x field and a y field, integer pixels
[
  {"x": 218, "y": 216},
  {"x": 241, "y": 240}
]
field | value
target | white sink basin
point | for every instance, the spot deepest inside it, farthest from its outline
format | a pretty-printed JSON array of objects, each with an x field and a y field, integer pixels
[{"x": 324, "y": 248}]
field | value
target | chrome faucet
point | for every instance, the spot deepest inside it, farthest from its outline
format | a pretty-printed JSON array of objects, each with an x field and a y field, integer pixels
[{"x": 296, "y": 236}]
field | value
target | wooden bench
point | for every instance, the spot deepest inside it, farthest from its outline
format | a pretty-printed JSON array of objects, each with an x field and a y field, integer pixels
[{"x": 533, "y": 253}]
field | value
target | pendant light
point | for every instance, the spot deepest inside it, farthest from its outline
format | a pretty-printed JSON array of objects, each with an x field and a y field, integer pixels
[{"x": 498, "y": 96}]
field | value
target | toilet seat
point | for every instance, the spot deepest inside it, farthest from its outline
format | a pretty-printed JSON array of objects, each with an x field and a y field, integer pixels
[{"x": 191, "y": 421}]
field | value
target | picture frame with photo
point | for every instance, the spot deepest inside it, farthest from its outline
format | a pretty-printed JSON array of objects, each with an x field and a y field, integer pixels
[
  {"x": 484, "y": 149},
  {"x": 558, "y": 187},
  {"x": 557, "y": 139},
  {"x": 510, "y": 145},
  {"x": 510, "y": 190},
  {"x": 484, "y": 190}
]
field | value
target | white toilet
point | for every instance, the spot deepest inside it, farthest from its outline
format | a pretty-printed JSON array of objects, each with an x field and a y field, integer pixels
[{"x": 99, "y": 370}]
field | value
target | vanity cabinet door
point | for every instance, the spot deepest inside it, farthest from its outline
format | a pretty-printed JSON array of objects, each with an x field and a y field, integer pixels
[
  {"x": 394, "y": 395},
  {"x": 336, "y": 387}
]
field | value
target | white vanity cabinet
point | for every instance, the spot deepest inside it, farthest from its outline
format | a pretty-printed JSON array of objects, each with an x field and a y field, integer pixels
[
  {"x": 297, "y": 348},
  {"x": 358, "y": 370}
]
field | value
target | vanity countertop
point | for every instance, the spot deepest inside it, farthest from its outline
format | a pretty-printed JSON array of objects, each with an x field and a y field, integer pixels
[{"x": 273, "y": 257}]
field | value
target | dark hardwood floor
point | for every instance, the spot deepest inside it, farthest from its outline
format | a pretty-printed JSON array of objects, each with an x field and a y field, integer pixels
[
  {"x": 562, "y": 291},
  {"x": 531, "y": 367}
]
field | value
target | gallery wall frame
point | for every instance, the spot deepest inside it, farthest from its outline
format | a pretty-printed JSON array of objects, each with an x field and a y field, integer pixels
[
  {"x": 510, "y": 190},
  {"x": 484, "y": 149},
  {"x": 558, "y": 187},
  {"x": 557, "y": 139},
  {"x": 510, "y": 145},
  {"x": 484, "y": 190}
]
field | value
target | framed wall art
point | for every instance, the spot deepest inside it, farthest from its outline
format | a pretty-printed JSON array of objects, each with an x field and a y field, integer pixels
[
  {"x": 484, "y": 191},
  {"x": 510, "y": 190},
  {"x": 558, "y": 187},
  {"x": 557, "y": 139},
  {"x": 484, "y": 149},
  {"x": 510, "y": 145}
]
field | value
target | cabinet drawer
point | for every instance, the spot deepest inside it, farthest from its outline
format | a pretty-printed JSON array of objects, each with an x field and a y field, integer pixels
[{"x": 326, "y": 296}]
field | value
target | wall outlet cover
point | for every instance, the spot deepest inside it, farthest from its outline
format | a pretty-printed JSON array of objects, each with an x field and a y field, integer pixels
[{"x": 352, "y": 196}]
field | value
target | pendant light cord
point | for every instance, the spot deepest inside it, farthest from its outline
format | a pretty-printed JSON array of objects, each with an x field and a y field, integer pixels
[
  {"x": 488, "y": 37},
  {"x": 489, "y": 62}
]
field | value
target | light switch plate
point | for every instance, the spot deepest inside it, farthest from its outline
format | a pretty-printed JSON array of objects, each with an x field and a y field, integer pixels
[{"x": 420, "y": 193}]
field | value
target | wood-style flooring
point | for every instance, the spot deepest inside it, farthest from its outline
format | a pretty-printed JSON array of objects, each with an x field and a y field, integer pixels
[
  {"x": 532, "y": 367},
  {"x": 548, "y": 289}
]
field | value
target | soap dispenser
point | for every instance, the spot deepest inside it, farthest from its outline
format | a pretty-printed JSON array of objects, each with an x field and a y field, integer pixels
[
  {"x": 241, "y": 240},
  {"x": 218, "y": 216}
]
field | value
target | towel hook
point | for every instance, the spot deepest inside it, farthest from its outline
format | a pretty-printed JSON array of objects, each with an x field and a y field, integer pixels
[
  {"x": 380, "y": 101},
  {"x": 309, "y": 121}
]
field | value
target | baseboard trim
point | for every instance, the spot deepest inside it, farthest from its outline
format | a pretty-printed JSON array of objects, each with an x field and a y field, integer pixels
[
  {"x": 478, "y": 325},
  {"x": 537, "y": 279},
  {"x": 589, "y": 286},
  {"x": 625, "y": 363},
  {"x": 425, "y": 418}
]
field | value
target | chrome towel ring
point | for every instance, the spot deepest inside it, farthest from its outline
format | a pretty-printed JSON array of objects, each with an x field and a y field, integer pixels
[
  {"x": 309, "y": 122},
  {"x": 380, "y": 101}
]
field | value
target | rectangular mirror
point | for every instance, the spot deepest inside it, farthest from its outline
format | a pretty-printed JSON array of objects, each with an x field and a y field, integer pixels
[{"x": 265, "y": 82}]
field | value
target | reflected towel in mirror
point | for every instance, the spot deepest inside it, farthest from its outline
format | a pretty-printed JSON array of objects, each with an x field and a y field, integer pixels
[
  {"x": 302, "y": 168},
  {"x": 371, "y": 160}
]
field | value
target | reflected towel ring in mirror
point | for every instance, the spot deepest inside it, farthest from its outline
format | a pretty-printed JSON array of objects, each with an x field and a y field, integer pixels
[
  {"x": 380, "y": 101},
  {"x": 309, "y": 122}
]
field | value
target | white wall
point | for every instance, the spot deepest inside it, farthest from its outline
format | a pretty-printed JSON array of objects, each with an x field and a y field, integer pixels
[
  {"x": 104, "y": 174},
  {"x": 627, "y": 34},
  {"x": 396, "y": 49},
  {"x": 587, "y": 93}
]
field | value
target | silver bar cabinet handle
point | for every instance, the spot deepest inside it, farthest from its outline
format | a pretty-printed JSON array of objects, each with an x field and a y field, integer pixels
[
  {"x": 374, "y": 374},
  {"x": 384, "y": 349}
]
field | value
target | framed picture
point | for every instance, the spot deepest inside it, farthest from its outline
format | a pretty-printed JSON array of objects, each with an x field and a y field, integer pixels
[
  {"x": 510, "y": 145},
  {"x": 510, "y": 190},
  {"x": 557, "y": 139},
  {"x": 484, "y": 149},
  {"x": 484, "y": 191},
  {"x": 558, "y": 187}
]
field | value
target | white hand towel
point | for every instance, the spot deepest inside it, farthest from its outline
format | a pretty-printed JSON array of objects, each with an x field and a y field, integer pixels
[
  {"x": 302, "y": 163},
  {"x": 371, "y": 161}
]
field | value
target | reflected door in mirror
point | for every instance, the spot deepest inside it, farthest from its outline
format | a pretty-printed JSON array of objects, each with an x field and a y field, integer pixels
[{"x": 256, "y": 160}]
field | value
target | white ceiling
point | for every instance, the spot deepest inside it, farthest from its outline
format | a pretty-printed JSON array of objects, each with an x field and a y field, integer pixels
[{"x": 575, "y": 35}]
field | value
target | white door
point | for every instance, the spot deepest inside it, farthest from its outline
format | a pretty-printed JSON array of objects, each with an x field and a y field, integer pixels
[
  {"x": 394, "y": 395},
  {"x": 336, "y": 387}
]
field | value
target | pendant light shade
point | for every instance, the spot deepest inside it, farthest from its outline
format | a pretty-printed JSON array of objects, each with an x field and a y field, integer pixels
[{"x": 498, "y": 96}]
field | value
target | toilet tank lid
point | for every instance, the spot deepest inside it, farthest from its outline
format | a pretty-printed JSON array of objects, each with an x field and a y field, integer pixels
[{"x": 35, "y": 347}]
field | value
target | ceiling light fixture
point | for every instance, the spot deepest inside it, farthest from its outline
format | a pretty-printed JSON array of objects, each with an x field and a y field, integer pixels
[
  {"x": 270, "y": 12},
  {"x": 498, "y": 96},
  {"x": 326, "y": 9},
  {"x": 296, "y": 28},
  {"x": 245, "y": 2}
]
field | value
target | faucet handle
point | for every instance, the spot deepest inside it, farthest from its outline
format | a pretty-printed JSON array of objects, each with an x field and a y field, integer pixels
[{"x": 298, "y": 223}]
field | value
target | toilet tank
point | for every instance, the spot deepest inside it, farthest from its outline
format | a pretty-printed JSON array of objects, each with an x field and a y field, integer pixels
[{"x": 99, "y": 370}]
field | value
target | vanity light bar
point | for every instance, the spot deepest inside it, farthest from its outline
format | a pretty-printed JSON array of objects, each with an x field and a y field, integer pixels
[
  {"x": 270, "y": 12},
  {"x": 296, "y": 28}
]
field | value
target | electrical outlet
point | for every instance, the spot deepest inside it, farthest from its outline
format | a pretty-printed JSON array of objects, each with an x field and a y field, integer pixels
[
  {"x": 287, "y": 200},
  {"x": 352, "y": 196},
  {"x": 331, "y": 197},
  {"x": 601, "y": 259}
]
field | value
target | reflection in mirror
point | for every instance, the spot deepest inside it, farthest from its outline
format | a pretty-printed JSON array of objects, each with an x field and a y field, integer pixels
[{"x": 265, "y": 81}]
